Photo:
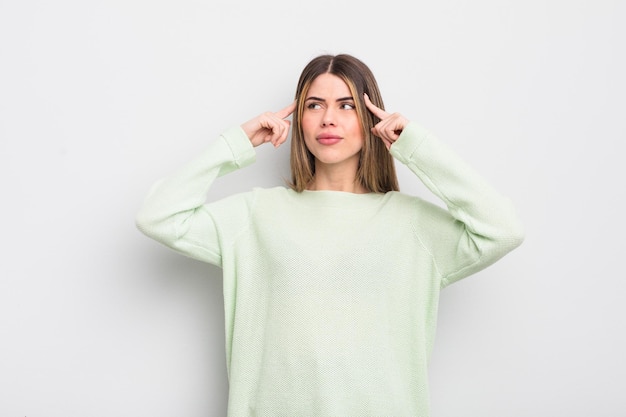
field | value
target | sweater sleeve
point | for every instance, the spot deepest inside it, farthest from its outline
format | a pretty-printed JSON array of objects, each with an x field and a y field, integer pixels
[
  {"x": 174, "y": 211},
  {"x": 480, "y": 225}
]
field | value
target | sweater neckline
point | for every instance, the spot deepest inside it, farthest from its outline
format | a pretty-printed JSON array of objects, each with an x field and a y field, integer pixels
[{"x": 337, "y": 198}]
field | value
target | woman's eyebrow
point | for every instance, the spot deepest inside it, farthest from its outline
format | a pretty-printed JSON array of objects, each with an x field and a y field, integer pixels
[{"x": 321, "y": 99}]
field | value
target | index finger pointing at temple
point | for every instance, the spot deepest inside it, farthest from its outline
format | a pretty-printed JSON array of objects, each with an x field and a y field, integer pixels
[
  {"x": 286, "y": 111},
  {"x": 378, "y": 112}
]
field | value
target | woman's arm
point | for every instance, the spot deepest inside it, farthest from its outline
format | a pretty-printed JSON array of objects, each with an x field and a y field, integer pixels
[
  {"x": 173, "y": 212},
  {"x": 480, "y": 226}
]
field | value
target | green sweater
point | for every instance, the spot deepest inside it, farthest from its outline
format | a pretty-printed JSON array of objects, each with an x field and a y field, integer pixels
[{"x": 331, "y": 297}]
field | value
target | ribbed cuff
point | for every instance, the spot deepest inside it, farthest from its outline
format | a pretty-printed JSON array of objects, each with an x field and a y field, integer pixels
[
  {"x": 411, "y": 138},
  {"x": 240, "y": 145}
]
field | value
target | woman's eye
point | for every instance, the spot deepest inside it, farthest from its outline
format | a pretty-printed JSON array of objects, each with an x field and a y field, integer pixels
[
  {"x": 313, "y": 106},
  {"x": 348, "y": 106}
]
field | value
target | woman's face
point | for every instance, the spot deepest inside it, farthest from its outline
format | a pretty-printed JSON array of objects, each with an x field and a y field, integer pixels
[{"x": 330, "y": 123}]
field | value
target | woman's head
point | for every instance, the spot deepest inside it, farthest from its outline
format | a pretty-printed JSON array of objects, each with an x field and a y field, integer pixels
[{"x": 375, "y": 172}]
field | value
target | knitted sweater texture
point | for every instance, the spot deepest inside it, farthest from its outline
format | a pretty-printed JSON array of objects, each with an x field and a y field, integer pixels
[{"x": 331, "y": 297}]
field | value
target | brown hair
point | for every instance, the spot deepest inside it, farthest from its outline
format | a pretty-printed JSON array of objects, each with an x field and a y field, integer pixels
[{"x": 376, "y": 171}]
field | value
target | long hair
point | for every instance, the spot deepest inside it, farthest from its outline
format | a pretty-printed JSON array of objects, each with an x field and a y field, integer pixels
[{"x": 376, "y": 171}]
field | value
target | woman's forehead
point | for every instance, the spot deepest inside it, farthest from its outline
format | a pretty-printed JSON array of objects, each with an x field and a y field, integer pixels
[{"x": 328, "y": 86}]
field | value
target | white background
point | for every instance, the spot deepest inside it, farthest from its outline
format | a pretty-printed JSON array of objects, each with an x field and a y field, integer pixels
[{"x": 98, "y": 99}]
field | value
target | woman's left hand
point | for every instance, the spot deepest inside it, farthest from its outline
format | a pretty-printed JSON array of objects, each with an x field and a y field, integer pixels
[{"x": 390, "y": 126}]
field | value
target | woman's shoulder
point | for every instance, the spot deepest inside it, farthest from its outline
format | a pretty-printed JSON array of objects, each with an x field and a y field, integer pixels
[
  {"x": 415, "y": 205},
  {"x": 276, "y": 195}
]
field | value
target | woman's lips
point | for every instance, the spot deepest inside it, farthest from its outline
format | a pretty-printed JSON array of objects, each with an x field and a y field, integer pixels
[{"x": 326, "y": 139}]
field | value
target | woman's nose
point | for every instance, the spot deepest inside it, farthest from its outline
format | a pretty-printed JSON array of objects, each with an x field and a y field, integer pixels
[{"x": 328, "y": 119}]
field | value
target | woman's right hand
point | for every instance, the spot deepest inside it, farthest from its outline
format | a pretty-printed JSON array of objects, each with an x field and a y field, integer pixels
[{"x": 269, "y": 127}]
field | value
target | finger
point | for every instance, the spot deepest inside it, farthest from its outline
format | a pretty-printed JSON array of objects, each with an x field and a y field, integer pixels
[
  {"x": 268, "y": 127},
  {"x": 283, "y": 136},
  {"x": 378, "y": 112},
  {"x": 279, "y": 130},
  {"x": 283, "y": 130},
  {"x": 276, "y": 133},
  {"x": 287, "y": 110}
]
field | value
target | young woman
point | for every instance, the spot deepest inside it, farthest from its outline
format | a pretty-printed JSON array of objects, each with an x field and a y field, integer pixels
[{"x": 331, "y": 285}]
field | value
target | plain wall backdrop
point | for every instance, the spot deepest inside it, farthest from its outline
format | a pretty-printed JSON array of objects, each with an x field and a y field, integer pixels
[{"x": 99, "y": 99}]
